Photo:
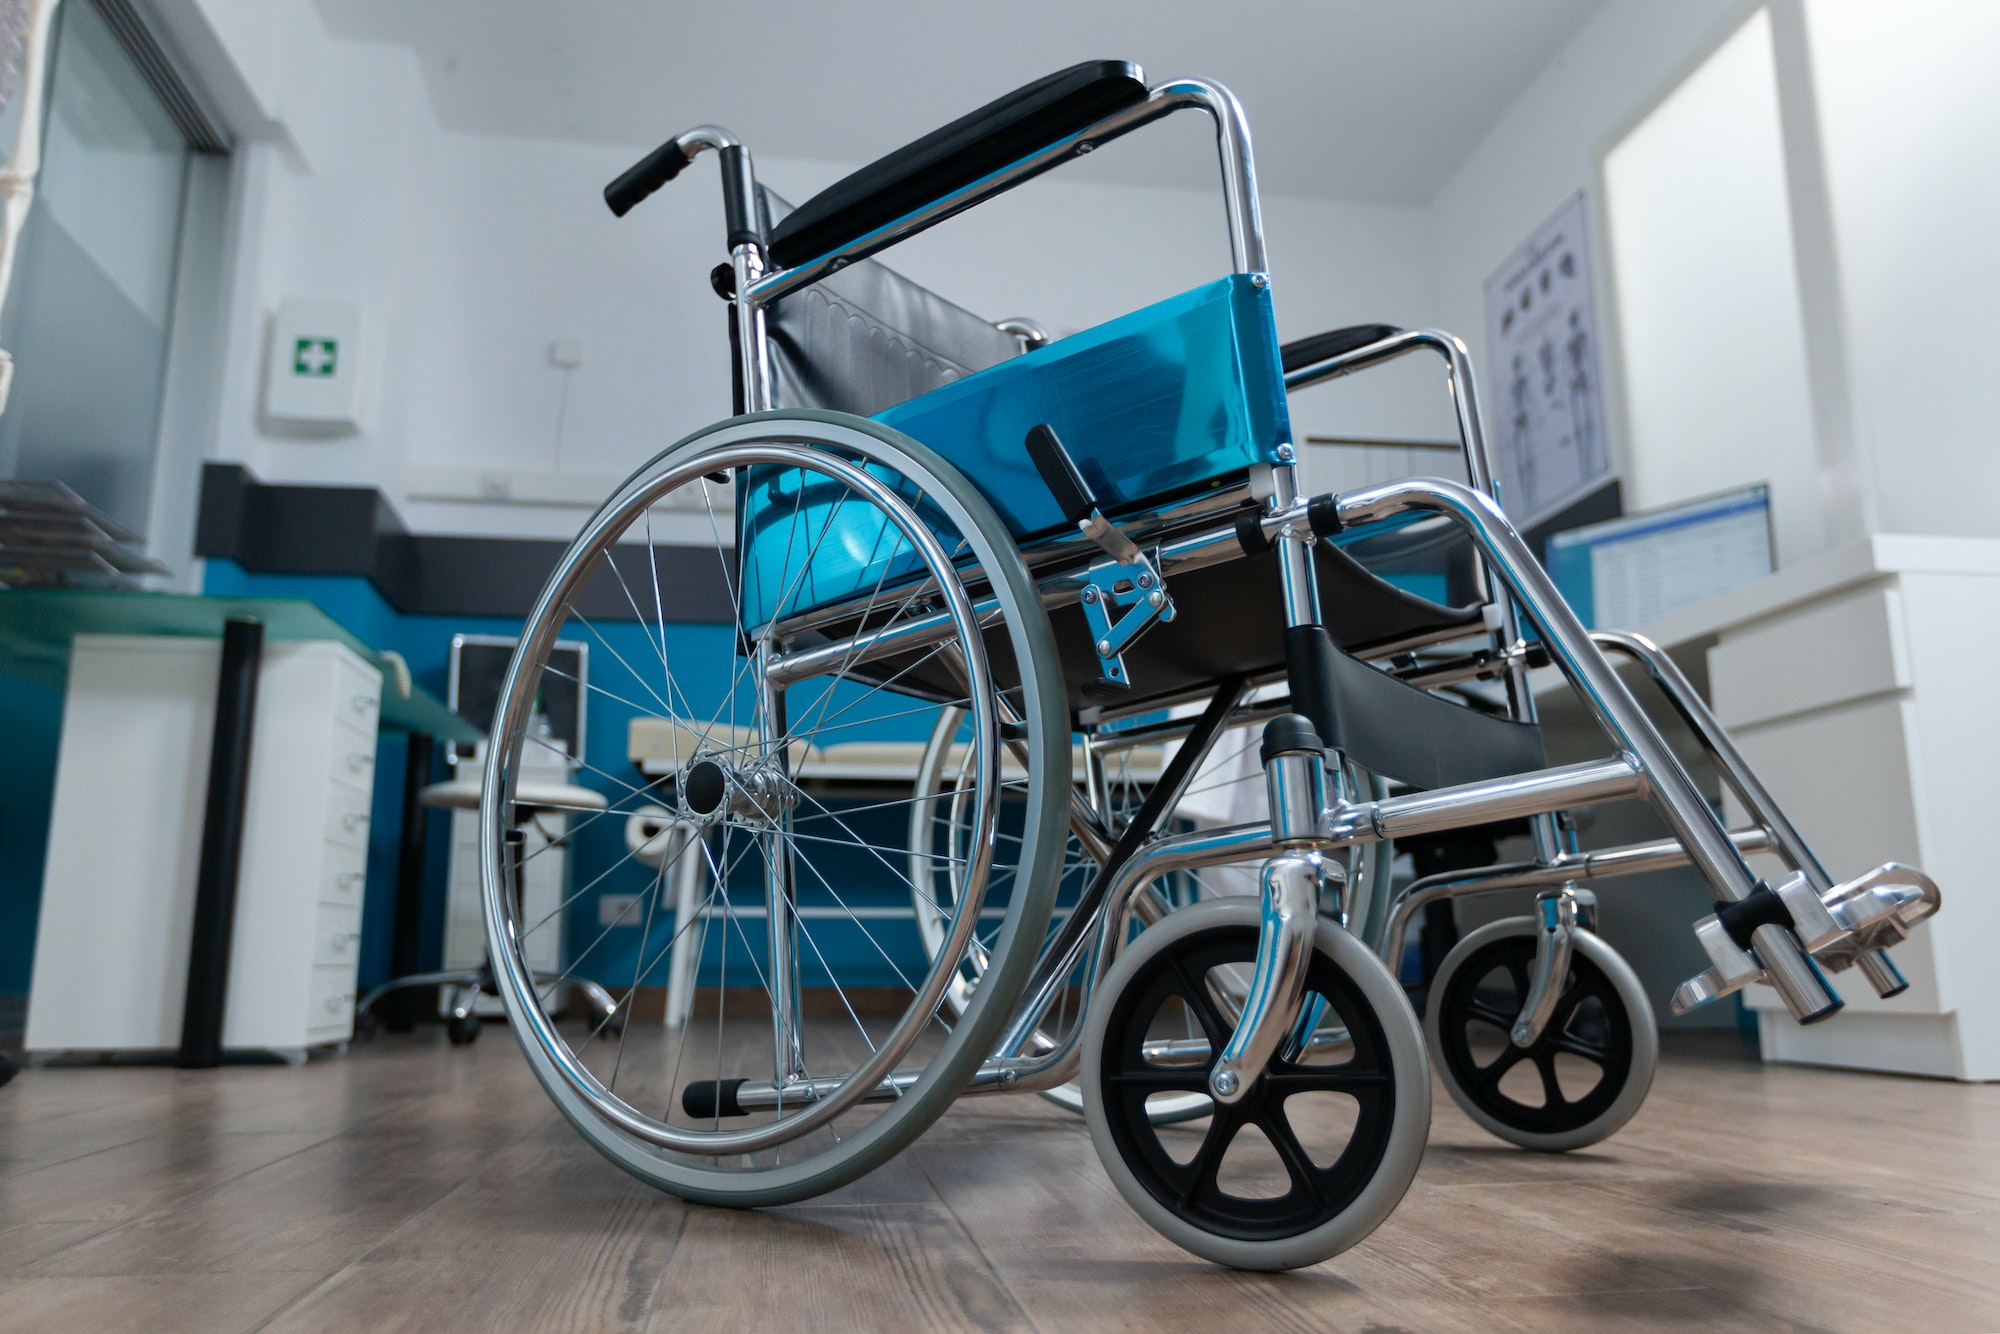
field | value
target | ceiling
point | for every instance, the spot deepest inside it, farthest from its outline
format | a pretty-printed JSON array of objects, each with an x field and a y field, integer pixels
[{"x": 1373, "y": 100}]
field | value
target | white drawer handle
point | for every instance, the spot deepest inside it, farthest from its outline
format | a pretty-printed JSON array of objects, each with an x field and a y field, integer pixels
[
  {"x": 342, "y": 939},
  {"x": 350, "y": 877},
  {"x": 358, "y": 760},
  {"x": 335, "y": 1004},
  {"x": 364, "y": 703},
  {"x": 354, "y": 819}
]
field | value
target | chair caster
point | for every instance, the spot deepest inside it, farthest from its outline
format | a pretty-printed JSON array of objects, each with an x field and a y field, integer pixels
[
  {"x": 1594, "y": 1057},
  {"x": 8, "y": 1069},
  {"x": 462, "y": 1029},
  {"x": 1271, "y": 1181},
  {"x": 365, "y": 1025}
]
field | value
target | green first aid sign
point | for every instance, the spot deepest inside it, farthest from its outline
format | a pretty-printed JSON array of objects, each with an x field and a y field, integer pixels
[{"x": 315, "y": 357}]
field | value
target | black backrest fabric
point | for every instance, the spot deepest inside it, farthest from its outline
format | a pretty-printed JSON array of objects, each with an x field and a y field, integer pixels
[
  {"x": 867, "y": 338},
  {"x": 1001, "y": 132}
]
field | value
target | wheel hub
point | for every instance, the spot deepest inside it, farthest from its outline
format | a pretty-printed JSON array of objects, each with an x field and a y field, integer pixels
[{"x": 715, "y": 788}]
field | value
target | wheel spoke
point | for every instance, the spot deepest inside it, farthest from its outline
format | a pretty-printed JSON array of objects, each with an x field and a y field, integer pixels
[
  {"x": 1206, "y": 1166},
  {"x": 1194, "y": 992},
  {"x": 1589, "y": 1051},
  {"x": 1298, "y": 1166},
  {"x": 1489, "y": 1075},
  {"x": 1290, "y": 1079},
  {"x": 1552, "y": 1094},
  {"x": 1486, "y": 1014},
  {"x": 1162, "y": 1079}
]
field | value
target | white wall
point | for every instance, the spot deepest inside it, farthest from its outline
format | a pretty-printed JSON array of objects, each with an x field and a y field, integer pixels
[
  {"x": 470, "y": 254},
  {"x": 1716, "y": 388},
  {"x": 1909, "y": 120},
  {"x": 522, "y": 251},
  {"x": 1547, "y": 146},
  {"x": 1890, "y": 115}
]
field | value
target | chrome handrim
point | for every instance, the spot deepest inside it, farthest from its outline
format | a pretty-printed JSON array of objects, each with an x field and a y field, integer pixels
[{"x": 734, "y": 731}]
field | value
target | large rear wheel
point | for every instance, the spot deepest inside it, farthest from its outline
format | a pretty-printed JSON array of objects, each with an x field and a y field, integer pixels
[{"x": 870, "y": 590}]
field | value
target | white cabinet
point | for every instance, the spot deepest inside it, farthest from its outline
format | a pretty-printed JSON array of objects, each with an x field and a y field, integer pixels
[
  {"x": 1860, "y": 685},
  {"x": 111, "y": 949},
  {"x": 544, "y": 874}
]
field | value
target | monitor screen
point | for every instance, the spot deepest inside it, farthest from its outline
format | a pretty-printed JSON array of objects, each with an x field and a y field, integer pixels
[
  {"x": 1628, "y": 572},
  {"x": 479, "y": 664}
]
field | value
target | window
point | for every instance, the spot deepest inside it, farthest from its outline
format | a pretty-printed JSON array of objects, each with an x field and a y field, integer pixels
[{"x": 90, "y": 310}]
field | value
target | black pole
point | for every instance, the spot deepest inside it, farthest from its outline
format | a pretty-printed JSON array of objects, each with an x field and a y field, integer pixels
[
  {"x": 400, "y": 1007},
  {"x": 221, "y": 843}
]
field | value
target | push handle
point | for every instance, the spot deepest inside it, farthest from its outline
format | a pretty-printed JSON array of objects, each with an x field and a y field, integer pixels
[
  {"x": 1060, "y": 474},
  {"x": 647, "y": 175}
]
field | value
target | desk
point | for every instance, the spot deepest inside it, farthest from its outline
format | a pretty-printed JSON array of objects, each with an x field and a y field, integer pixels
[{"x": 141, "y": 876}]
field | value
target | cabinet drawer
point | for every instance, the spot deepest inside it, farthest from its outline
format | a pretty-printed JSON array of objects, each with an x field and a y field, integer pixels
[
  {"x": 353, "y": 762},
  {"x": 338, "y": 935},
  {"x": 330, "y": 1012},
  {"x": 343, "y": 875},
  {"x": 1831, "y": 653},
  {"x": 347, "y": 816},
  {"x": 358, "y": 703}
]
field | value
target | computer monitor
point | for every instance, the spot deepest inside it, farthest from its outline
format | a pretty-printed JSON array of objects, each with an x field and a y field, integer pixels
[
  {"x": 1628, "y": 572},
  {"x": 479, "y": 664}
]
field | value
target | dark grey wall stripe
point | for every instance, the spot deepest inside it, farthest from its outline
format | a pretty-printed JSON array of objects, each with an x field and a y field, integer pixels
[
  {"x": 205, "y": 133},
  {"x": 352, "y": 530}
]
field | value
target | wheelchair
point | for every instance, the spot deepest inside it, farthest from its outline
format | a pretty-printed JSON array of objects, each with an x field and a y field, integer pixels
[{"x": 1071, "y": 572}]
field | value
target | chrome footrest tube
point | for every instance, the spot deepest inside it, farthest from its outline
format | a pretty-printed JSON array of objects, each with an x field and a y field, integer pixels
[
  {"x": 1840, "y": 927},
  {"x": 1735, "y": 770},
  {"x": 1672, "y": 792},
  {"x": 1843, "y": 925}
]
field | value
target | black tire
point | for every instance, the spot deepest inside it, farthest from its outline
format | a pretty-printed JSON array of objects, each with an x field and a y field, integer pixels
[
  {"x": 1325, "y": 1208},
  {"x": 1602, "y": 1019}
]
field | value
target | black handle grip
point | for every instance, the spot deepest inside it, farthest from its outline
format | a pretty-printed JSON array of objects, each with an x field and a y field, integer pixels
[
  {"x": 647, "y": 175},
  {"x": 1059, "y": 473},
  {"x": 739, "y": 198},
  {"x": 1326, "y": 346}
]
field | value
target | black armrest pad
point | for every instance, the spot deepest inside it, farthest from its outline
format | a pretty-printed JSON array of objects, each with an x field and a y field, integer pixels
[
  {"x": 1324, "y": 347},
  {"x": 945, "y": 160}
]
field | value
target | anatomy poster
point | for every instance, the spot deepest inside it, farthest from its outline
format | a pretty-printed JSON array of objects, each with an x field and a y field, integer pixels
[{"x": 1545, "y": 406}]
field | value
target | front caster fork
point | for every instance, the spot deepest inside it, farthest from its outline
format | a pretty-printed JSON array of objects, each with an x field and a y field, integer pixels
[
  {"x": 1559, "y": 914},
  {"x": 1293, "y": 885}
]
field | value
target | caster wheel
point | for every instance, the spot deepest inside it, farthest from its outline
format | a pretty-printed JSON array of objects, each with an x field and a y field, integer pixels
[
  {"x": 8, "y": 1069},
  {"x": 462, "y": 1032},
  {"x": 1589, "y": 1071},
  {"x": 365, "y": 1025},
  {"x": 1324, "y": 1145}
]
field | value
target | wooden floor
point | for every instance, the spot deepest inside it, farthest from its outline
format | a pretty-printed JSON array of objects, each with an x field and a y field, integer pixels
[{"x": 413, "y": 1186}]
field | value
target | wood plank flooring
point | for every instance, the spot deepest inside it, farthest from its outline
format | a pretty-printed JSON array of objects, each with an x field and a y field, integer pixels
[{"x": 412, "y": 1186}]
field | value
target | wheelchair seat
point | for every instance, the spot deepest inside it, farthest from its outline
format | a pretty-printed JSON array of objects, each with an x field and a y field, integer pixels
[{"x": 1164, "y": 409}]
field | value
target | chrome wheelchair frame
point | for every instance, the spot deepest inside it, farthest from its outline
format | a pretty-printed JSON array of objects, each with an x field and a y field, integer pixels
[{"x": 1319, "y": 810}]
